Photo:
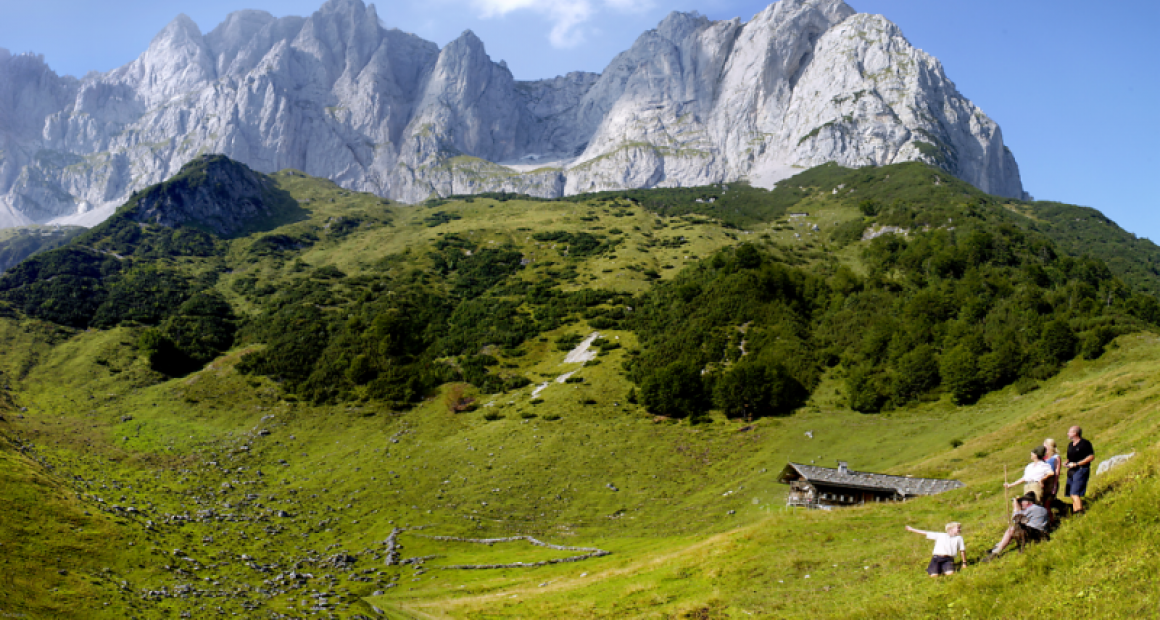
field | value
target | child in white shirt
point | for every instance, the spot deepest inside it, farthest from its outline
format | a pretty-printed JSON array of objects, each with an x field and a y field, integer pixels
[{"x": 946, "y": 546}]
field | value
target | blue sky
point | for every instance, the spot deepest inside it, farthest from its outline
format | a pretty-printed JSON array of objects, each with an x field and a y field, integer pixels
[{"x": 1074, "y": 85}]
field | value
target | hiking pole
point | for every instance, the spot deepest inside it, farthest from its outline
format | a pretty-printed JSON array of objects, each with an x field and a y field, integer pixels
[{"x": 1004, "y": 512}]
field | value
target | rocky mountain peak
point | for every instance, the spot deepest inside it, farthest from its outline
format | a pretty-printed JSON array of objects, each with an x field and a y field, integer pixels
[
  {"x": 467, "y": 43},
  {"x": 176, "y": 62},
  {"x": 677, "y": 25},
  {"x": 345, "y": 7},
  {"x": 336, "y": 95},
  {"x": 235, "y": 33},
  {"x": 179, "y": 33}
]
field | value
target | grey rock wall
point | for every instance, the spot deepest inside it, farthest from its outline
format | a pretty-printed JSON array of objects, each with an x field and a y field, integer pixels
[{"x": 337, "y": 95}]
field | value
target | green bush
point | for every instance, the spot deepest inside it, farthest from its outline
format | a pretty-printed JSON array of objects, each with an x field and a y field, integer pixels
[
  {"x": 675, "y": 390},
  {"x": 870, "y": 207},
  {"x": 960, "y": 374},
  {"x": 754, "y": 389},
  {"x": 848, "y": 232},
  {"x": 1026, "y": 385}
]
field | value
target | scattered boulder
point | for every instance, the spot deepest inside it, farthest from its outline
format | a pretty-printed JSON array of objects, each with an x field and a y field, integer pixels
[{"x": 1113, "y": 462}]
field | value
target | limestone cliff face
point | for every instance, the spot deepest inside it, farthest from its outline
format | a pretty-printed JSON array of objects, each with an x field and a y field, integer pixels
[{"x": 336, "y": 95}]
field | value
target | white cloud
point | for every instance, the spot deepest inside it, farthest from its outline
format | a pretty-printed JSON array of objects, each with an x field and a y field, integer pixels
[{"x": 567, "y": 16}]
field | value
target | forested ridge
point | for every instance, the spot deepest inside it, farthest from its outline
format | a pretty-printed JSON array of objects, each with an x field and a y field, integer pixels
[
  {"x": 968, "y": 294},
  {"x": 958, "y": 313}
]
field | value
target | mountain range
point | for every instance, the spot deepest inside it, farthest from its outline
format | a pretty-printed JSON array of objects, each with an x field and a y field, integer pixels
[{"x": 340, "y": 96}]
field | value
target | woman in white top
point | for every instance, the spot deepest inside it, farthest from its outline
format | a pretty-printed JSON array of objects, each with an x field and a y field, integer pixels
[
  {"x": 946, "y": 546},
  {"x": 1034, "y": 474}
]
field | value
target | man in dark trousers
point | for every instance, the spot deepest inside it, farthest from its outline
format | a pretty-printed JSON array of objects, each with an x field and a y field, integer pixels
[{"x": 1080, "y": 455}]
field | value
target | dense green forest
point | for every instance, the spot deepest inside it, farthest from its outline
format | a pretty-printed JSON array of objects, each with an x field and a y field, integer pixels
[
  {"x": 958, "y": 313},
  {"x": 1083, "y": 230}
]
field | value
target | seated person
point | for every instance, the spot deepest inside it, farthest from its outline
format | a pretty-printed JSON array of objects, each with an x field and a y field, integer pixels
[
  {"x": 945, "y": 547},
  {"x": 1034, "y": 475},
  {"x": 1033, "y": 523}
]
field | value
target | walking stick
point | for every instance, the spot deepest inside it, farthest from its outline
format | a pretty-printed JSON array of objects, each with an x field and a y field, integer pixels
[{"x": 1004, "y": 492}]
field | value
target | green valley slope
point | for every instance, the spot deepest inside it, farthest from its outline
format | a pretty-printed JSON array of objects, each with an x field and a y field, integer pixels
[{"x": 239, "y": 423}]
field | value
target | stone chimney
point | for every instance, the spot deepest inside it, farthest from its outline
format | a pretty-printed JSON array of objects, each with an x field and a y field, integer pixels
[{"x": 842, "y": 469}]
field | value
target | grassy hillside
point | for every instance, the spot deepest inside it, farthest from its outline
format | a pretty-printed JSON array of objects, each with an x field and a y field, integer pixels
[
  {"x": 249, "y": 421},
  {"x": 1083, "y": 230},
  {"x": 860, "y": 562},
  {"x": 694, "y": 527},
  {"x": 914, "y": 195}
]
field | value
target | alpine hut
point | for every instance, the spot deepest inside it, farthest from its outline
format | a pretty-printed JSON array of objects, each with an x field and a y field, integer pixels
[{"x": 826, "y": 488}]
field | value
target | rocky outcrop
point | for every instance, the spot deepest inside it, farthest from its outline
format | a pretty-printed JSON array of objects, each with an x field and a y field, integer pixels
[
  {"x": 1114, "y": 462},
  {"x": 336, "y": 95},
  {"x": 211, "y": 192}
]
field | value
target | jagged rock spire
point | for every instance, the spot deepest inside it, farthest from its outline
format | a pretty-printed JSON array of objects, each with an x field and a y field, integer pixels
[{"x": 335, "y": 94}]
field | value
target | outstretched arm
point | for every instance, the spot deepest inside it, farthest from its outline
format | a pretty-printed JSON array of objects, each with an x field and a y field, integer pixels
[{"x": 911, "y": 529}]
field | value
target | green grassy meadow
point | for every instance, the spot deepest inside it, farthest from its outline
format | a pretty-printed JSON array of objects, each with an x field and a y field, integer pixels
[
  {"x": 676, "y": 549},
  {"x": 132, "y": 494}
]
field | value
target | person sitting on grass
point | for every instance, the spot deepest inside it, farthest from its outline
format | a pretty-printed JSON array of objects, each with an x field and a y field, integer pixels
[
  {"x": 945, "y": 548},
  {"x": 1034, "y": 474},
  {"x": 1033, "y": 524}
]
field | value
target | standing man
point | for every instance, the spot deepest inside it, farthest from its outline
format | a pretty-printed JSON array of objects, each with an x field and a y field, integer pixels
[{"x": 1080, "y": 455}]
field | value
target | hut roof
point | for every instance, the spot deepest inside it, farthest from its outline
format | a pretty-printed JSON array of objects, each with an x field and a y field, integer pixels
[{"x": 865, "y": 480}]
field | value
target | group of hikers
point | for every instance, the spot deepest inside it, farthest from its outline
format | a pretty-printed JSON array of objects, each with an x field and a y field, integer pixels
[{"x": 1033, "y": 515}]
